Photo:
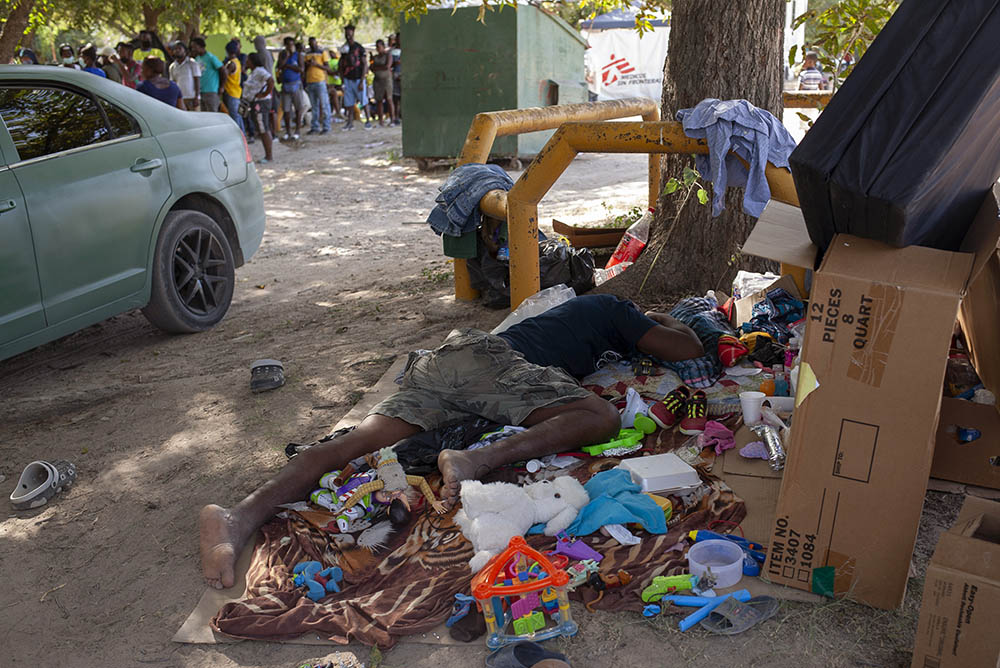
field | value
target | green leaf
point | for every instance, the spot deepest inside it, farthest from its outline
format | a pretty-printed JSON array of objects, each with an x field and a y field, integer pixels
[
  {"x": 702, "y": 196},
  {"x": 671, "y": 187},
  {"x": 689, "y": 176},
  {"x": 791, "y": 55}
]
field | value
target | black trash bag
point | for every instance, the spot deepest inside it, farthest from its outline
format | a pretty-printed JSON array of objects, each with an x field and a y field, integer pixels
[
  {"x": 418, "y": 453},
  {"x": 557, "y": 263}
]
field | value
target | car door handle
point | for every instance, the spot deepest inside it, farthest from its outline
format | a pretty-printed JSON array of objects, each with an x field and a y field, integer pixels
[
  {"x": 142, "y": 165},
  {"x": 8, "y": 205}
]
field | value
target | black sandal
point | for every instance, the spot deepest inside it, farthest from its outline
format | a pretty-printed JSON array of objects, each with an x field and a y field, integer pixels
[{"x": 266, "y": 375}]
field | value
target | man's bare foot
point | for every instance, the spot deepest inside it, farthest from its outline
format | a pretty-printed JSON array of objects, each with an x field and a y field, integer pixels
[
  {"x": 219, "y": 545},
  {"x": 456, "y": 466}
]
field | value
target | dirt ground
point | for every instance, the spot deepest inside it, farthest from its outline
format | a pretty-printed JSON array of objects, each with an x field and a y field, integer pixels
[{"x": 347, "y": 279}]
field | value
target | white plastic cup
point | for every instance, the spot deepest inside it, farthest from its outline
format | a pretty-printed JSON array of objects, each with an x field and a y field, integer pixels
[{"x": 751, "y": 403}]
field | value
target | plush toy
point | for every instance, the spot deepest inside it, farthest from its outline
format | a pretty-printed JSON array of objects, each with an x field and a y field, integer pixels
[
  {"x": 317, "y": 580},
  {"x": 493, "y": 513}
]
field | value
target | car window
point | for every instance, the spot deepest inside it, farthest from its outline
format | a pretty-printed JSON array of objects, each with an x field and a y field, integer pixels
[
  {"x": 122, "y": 124},
  {"x": 42, "y": 121}
]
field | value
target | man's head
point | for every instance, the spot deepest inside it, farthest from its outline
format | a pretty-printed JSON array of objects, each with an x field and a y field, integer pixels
[
  {"x": 66, "y": 54},
  {"x": 152, "y": 67},
  {"x": 145, "y": 40},
  {"x": 811, "y": 59},
  {"x": 254, "y": 61},
  {"x": 179, "y": 50},
  {"x": 198, "y": 46},
  {"x": 380, "y": 45},
  {"x": 232, "y": 47},
  {"x": 89, "y": 55},
  {"x": 349, "y": 33},
  {"x": 289, "y": 43},
  {"x": 260, "y": 43}
]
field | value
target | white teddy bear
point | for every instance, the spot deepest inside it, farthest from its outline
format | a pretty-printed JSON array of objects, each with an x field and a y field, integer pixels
[{"x": 493, "y": 513}]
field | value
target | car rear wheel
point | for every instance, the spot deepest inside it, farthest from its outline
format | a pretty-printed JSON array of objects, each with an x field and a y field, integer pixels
[{"x": 193, "y": 274}]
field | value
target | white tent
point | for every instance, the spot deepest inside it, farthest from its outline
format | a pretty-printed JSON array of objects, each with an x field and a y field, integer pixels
[{"x": 620, "y": 63}]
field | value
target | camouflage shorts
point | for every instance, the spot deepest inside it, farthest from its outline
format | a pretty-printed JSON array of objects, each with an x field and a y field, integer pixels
[{"x": 475, "y": 373}]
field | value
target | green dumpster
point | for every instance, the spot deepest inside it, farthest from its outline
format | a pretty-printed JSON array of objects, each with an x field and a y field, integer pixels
[{"x": 455, "y": 67}]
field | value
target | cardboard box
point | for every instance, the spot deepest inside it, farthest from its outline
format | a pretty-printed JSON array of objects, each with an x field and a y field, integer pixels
[
  {"x": 873, "y": 362},
  {"x": 961, "y": 603},
  {"x": 974, "y": 463},
  {"x": 743, "y": 308}
]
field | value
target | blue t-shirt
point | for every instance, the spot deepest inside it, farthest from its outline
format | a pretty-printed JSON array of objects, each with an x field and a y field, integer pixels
[
  {"x": 209, "y": 72},
  {"x": 576, "y": 334},
  {"x": 289, "y": 76},
  {"x": 96, "y": 70},
  {"x": 169, "y": 95}
]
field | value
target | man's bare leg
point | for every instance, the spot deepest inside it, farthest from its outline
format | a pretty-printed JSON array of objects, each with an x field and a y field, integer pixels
[
  {"x": 550, "y": 430},
  {"x": 224, "y": 531}
]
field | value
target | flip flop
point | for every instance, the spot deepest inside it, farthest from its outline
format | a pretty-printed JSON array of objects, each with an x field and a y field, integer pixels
[
  {"x": 732, "y": 616},
  {"x": 40, "y": 481},
  {"x": 266, "y": 375},
  {"x": 522, "y": 654}
]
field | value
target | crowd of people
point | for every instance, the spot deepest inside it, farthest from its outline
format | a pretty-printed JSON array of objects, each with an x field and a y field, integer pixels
[{"x": 342, "y": 85}]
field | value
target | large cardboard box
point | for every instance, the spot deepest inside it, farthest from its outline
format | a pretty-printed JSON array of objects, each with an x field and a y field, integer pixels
[
  {"x": 973, "y": 463},
  {"x": 878, "y": 330},
  {"x": 961, "y": 604}
]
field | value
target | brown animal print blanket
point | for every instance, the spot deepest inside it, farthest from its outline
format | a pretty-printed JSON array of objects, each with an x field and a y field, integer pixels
[{"x": 409, "y": 586}]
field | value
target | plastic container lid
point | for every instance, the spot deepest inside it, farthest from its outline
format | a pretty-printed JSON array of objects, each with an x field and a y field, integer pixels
[
  {"x": 723, "y": 557},
  {"x": 661, "y": 473}
]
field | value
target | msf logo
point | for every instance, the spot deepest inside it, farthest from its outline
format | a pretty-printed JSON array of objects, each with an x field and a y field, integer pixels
[{"x": 610, "y": 72}]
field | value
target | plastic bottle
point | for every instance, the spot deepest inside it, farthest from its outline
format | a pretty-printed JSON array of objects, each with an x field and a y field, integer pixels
[
  {"x": 601, "y": 275},
  {"x": 767, "y": 384},
  {"x": 633, "y": 241}
]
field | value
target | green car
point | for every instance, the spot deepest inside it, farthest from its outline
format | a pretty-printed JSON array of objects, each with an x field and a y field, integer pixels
[{"x": 111, "y": 200}]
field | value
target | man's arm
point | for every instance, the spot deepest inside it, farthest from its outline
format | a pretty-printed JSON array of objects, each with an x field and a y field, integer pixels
[{"x": 671, "y": 340}]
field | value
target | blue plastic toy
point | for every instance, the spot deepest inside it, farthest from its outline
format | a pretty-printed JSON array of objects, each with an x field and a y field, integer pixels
[{"x": 317, "y": 580}]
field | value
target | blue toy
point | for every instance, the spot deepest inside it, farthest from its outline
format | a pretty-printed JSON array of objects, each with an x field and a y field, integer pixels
[{"x": 317, "y": 580}]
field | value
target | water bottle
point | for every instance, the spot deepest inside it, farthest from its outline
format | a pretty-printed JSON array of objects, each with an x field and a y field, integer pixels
[{"x": 633, "y": 241}]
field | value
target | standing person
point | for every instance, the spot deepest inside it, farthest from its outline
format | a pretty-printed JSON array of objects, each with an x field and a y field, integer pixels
[
  {"x": 26, "y": 56},
  {"x": 260, "y": 44},
  {"x": 382, "y": 67},
  {"x": 353, "y": 69},
  {"x": 154, "y": 84},
  {"x": 811, "y": 78},
  {"x": 290, "y": 74},
  {"x": 67, "y": 57},
  {"x": 149, "y": 46},
  {"x": 130, "y": 68},
  {"x": 258, "y": 91},
  {"x": 316, "y": 73},
  {"x": 89, "y": 56},
  {"x": 335, "y": 86},
  {"x": 107, "y": 60},
  {"x": 211, "y": 84},
  {"x": 232, "y": 90},
  {"x": 186, "y": 73},
  {"x": 397, "y": 78}
]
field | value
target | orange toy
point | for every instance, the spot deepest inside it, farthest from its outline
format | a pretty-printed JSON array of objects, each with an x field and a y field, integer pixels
[{"x": 509, "y": 604}]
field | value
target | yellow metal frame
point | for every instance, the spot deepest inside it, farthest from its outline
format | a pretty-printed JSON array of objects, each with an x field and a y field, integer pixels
[
  {"x": 519, "y": 206},
  {"x": 486, "y": 127}
]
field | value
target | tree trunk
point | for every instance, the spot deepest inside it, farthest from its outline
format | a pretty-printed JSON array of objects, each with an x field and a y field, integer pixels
[
  {"x": 151, "y": 15},
  {"x": 725, "y": 49},
  {"x": 13, "y": 29}
]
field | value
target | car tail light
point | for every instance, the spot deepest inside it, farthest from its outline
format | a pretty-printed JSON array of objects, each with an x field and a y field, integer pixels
[{"x": 246, "y": 147}]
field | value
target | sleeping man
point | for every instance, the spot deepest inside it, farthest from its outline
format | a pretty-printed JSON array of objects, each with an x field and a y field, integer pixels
[{"x": 526, "y": 375}]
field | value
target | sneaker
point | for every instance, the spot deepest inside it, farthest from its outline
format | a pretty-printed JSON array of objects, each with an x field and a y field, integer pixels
[
  {"x": 312, "y": 132},
  {"x": 349, "y": 126},
  {"x": 669, "y": 412},
  {"x": 295, "y": 136},
  {"x": 324, "y": 131},
  {"x": 368, "y": 125},
  {"x": 287, "y": 137},
  {"x": 696, "y": 413}
]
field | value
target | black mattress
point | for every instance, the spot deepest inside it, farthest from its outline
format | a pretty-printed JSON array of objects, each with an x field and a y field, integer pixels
[{"x": 910, "y": 144}]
